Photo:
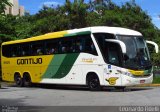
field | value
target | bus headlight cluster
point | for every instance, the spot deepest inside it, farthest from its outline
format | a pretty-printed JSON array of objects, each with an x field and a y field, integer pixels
[
  {"x": 125, "y": 73},
  {"x": 128, "y": 74}
]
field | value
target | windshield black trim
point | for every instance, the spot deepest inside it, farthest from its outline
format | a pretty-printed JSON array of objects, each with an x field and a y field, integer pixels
[{"x": 129, "y": 35}]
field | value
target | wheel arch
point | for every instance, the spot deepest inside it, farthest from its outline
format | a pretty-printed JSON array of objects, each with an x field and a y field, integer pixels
[
  {"x": 92, "y": 73},
  {"x": 17, "y": 73},
  {"x": 27, "y": 75}
]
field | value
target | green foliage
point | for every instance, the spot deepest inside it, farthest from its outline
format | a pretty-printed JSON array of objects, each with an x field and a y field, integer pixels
[
  {"x": 156, "y": 80},
  {"x": 3, "y": 4},
  {"x": 78, "y": 14},
  {"x": 7, "y": 30}
]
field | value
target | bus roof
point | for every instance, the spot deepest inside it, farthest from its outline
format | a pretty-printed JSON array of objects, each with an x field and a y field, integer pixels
[
  {"x": 106, "y": 29},
  {"x": 96, "y": 29}
]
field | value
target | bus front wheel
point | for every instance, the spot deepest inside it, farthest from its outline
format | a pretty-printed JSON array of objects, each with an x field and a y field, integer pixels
[
  {"x": 18, "y": 80},
  {"x": 93, "y": 83}
]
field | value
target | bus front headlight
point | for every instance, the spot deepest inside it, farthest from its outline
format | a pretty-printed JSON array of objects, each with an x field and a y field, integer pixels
[{"x": 125, "y": 73}]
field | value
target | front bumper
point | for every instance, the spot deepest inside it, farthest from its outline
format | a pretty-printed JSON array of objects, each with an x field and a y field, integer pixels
[{"x": 131, "y": 81}]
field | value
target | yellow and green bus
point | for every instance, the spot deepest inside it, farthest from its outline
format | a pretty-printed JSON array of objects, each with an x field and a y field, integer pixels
[{"x": 92, "y": 56}]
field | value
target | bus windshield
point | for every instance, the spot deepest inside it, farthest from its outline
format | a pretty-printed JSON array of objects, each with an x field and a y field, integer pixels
[{"x": 137, "y": 55}]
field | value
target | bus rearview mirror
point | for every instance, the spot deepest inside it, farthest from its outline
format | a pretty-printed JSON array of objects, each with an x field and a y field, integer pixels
[
  {"x": 122, "y": 44},
  {"x": 154, "y": 44}
]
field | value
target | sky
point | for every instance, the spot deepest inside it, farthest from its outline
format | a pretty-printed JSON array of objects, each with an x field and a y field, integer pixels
[{"x": 151, "y": 7}]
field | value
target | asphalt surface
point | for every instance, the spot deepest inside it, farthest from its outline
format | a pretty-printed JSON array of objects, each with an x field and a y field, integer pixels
[{"x": 52, "y": 95}]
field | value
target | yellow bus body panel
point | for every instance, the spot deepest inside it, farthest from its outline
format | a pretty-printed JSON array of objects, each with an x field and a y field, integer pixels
[
  {"x": 12, "y": 65},
  {"x": 42, "y": 37}
]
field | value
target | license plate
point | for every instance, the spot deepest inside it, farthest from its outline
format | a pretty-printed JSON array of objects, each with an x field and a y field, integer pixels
[{"x": 142, "y": 81}]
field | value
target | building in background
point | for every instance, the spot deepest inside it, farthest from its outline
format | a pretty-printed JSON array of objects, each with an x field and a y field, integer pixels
[{"x": 15, "y": 9}]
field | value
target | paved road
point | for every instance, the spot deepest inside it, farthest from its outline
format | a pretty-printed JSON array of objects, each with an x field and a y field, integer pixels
[
  {"x": 78, "y": 96},
  {"x": 20, "y": 99}
]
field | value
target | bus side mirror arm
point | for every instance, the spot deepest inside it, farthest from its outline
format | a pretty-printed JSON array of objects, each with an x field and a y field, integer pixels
[
  {"x": 154, "y": 44},
  {"x": 122, "y": 44}
]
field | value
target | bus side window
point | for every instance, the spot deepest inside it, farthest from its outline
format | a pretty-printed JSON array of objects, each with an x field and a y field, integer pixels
[
  {"x": 25, "y": 49},
  {"x": 79, "y": 46},
  {"x": 39, "y": 51},
  {"x": 37, "y": 48},
  {"x": 11, "y": 50},
  {"x": 15, "y": 52},
  {"x": 89, "y": 46},
  {"x": 63, "y": 48},
  {"x": 66, "y": 45},
  {"x": 69, "y": 44},
  {"x": 6, "y": 50},
  {"x": 113, "y": 53},
  {"x": 51, "y": 47}
]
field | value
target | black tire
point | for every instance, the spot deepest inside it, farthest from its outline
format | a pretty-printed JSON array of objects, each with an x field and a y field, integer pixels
[
  {"x": 93, "y": 83},
  {"x": 18, "y": 80},
  {"x": 120, "y": 87},
  {"x": 27, "y": 80}
]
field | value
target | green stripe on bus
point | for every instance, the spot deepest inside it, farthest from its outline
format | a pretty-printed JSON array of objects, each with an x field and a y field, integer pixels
[
  {"x": 79, "y": 33},
  {"x": 83, "y": 33},
  {"x": 68, "y": 35},
  {"x": 54, "y": 65},
  {"x": 66, "y": 65}
]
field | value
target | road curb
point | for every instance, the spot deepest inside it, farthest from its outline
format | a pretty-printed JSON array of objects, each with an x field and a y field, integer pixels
[{"x": 148, "y": 85}]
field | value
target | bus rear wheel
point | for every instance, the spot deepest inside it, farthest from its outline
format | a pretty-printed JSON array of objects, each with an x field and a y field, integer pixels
[
  {"x": 27, "y": 80},
  {"x": 93, "y": 83},
  {"x": 18, "y": 80}
]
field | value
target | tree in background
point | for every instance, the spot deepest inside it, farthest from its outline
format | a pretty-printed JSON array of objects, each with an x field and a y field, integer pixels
[
  {"x": 78, "y": 14},
  {"x": 3, "y": 34},
  {"x": 3, "y": 4},
  {"x": 3, "y": 37}
]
